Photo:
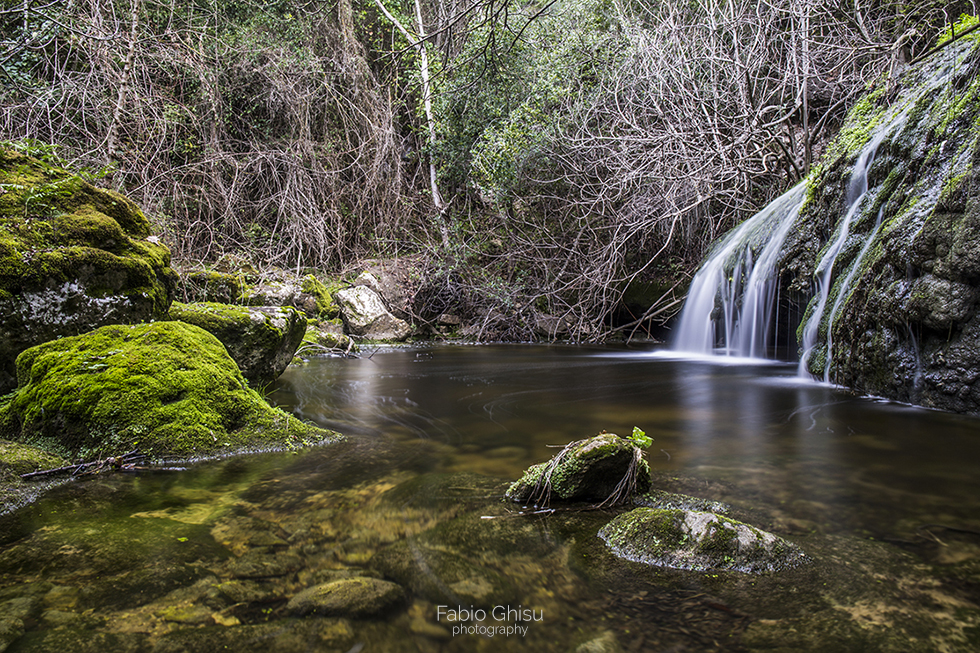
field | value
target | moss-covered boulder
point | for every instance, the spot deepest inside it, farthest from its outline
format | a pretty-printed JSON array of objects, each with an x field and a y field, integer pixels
[
  {"x": 261, "y": 339},
  {"x": 899, "y": 315},
  {"x": 72, "y": 257},
  {"x": 167, "y": 388},
  {"x": 212, "y": 286},
  {"x": 606, "y": 469},
  {"x": 322, "y": 295},
  {"x": 690, "y": 539}
]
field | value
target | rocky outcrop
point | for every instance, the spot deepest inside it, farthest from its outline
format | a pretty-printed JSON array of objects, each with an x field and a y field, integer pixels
[
  {"x": 261, "y": 339},
  {"x": 72, "y": 257},
  {"x": 365, "y": 315},
  {"x": 167, "y": 388},
  {"x": 901, "y": 317}
]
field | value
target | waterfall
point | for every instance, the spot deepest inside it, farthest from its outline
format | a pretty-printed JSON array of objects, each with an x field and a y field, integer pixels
[
  {"x": 732, "y": 296},
  {"x": 856, "y": 190}
]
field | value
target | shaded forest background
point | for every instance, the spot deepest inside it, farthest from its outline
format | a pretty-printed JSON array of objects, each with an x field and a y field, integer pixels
[{"x": 572, "y": 155}]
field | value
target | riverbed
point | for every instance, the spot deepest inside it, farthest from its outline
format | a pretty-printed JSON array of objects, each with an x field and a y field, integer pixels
[{"x": 884, "y": 499}]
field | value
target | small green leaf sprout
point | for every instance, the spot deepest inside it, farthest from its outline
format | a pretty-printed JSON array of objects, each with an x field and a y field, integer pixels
[{"x": 640, "y": 438}]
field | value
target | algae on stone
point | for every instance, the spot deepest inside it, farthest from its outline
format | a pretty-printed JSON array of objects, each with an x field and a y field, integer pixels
[
  {"x": 261, "y": 340},
  {"x": 72, "y": 257},
  {"x": 690, "y": 539},
  {"x": 605, "y": 468},
  {"x": 166, "y": 388}
]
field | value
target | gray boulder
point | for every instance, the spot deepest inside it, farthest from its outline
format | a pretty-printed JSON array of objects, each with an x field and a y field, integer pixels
[
  {"x": 365, "y": 315},
  {"x": 690, "y": 539}
]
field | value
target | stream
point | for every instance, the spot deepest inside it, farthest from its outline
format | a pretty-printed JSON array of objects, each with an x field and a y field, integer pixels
[{"x": 884, "y": 499}]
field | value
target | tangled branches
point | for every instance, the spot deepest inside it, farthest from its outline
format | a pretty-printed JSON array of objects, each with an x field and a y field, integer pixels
[{"x": 240, "y": 129}]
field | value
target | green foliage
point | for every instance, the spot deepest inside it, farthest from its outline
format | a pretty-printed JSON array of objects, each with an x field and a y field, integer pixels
[
  {"x": 962, "y": 24},
  {"x": 640, "y": 438}
]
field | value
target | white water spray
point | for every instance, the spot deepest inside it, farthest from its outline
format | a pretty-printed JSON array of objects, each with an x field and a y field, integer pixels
[{"x": 741, "y": 285}]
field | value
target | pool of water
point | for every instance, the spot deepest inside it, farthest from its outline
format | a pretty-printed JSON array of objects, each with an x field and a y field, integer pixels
[{"x": 884, "y": 499}]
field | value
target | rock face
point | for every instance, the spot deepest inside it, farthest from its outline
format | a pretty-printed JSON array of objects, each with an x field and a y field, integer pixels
[
  {"x": 688, "y": 539},
  {"x": 164, "y": 388},
  {"x": 262, "y": 340},
  {"x": 901, "y": 317},
  {"x": 365, "y": 315},
  {"x": 607, "y": 469},
  {"x": 72, "y": 257}
]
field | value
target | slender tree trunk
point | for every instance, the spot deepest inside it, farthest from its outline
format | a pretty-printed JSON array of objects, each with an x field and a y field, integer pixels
[
  {"x": 418, "y": 41},
  {"x": 112, "y": 139}
]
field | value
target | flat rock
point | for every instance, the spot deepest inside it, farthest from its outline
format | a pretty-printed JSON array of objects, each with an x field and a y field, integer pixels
[{"x": 351, "y": 597}]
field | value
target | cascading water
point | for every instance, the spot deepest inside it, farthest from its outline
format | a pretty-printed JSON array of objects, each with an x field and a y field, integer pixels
[
  {"x": 745, "y": 285},
  {"x": 856, "y": 190}
]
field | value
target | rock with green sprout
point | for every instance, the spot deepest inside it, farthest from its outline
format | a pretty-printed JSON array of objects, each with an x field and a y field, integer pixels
[
  {"x": 72, "y": 257},
  {"x": 165, "y": 389},
  {"x": 605, "y": 469}
]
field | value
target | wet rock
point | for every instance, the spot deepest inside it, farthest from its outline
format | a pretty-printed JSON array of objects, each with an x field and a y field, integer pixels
[
  {"x": 604, "y": 643},
  {"x": 281, "y": 636},
  {"x": 261, "y": 339},
  {"x": 259, "y": 564},
  {"x": 211, "y": 286},
  {"x": 605, "y": 468},
  {"x": 365, "y": 315},
  {"x": 325, "y": 335},
  {"x": 73, "y": 257},
  {"x": 687, "y": 539},
  {"x": 673, "y": 501},
  {"x": 162, "y": 388},
  {"x": 10, "y": 632},
  {"x": 349, "y": 597}
]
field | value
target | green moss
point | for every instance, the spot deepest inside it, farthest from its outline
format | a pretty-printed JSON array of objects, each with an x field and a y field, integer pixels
[
  {"x": 323, "y": 295},
  {"x": 212, "y": 286},
  {"x": 166, "y": 389},
  {"x": 17, "y": 459}
]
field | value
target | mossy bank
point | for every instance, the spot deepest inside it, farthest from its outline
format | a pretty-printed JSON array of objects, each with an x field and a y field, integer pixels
[{"x": 166, "y": 389}]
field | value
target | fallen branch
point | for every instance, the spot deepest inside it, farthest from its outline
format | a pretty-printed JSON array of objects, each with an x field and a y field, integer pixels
[{"x": 125, "y": 461}]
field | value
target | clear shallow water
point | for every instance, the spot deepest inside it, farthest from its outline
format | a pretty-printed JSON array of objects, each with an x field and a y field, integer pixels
[{"x": 883, "y": 497}]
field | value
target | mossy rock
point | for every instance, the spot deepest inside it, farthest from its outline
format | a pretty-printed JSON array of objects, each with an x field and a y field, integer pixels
[
  {"x": 17, "y": 459},
  {"x": 605, "y": 468},
  {"x": 322, "y": 295},
  {"x": 691, "y": 539},
  {"x": 72, "y": 257},
  {"x": 262, "y": 340},
  {"x": 211, "y": 286},
  {"x": 167, "y": 388}
]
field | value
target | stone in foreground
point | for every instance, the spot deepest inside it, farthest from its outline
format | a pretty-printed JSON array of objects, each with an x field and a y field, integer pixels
[
  {"x": 262, "y": 340},
  {"x": 689, "y": 539},
  {"x": 348, "y": 597},
  {"x": 166, "y": 388},
  {"x": 607, "y": 469}
]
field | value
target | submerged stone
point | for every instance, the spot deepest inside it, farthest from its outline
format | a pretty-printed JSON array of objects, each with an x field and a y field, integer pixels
[
  {"x": 166, "y": 388},
  {"x": 689, "y": 539},
  {"x": 348, "y": 597},
  {"x": 72, "y": 257},
  {"x": 262, "y": 340},
  {"x": 605, "y": 468}
]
